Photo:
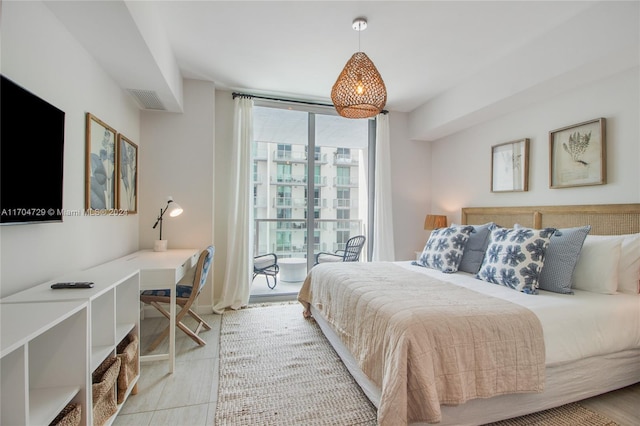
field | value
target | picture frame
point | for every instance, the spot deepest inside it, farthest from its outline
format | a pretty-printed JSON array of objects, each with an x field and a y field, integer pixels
[
  {"x": 577, "y": 155},
  {"x": 510, "y": 166},
  {"x": 127, "y": 172},
  {"x": 100, "y": 165}
]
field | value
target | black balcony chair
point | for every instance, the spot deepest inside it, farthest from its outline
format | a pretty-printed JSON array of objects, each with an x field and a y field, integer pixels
[
  {"x": 351, "y": 252},
  {"x": 267, "y": 265}
]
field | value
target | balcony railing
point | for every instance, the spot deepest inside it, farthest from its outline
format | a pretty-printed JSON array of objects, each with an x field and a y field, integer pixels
[
  {"x": 345, "y": 203},
  {"x": 297, "y": 180},
  {"x": 350, "y": 181},
  {"x": 259, "y": 154},
  {"x": 266, "y": 231},
  {"x": 297, "y": 157},
  {"x": 345, "y": 160}
]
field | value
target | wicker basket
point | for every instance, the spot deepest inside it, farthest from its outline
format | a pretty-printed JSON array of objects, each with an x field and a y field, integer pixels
[
  {"x": 104, "y": 390},
  {"x": 69, "y": 416},
  {"x": 127, "y": 352}
]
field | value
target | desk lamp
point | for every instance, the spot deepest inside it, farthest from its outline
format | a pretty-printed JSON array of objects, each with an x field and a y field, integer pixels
[{"x": 174, "y": 210}]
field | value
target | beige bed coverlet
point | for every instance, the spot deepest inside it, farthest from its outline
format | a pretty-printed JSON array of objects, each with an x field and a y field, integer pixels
[{"x": 426, "y": 342}]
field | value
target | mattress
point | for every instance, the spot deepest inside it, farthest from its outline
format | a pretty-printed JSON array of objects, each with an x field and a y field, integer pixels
[{"x": 588, "y": 352}]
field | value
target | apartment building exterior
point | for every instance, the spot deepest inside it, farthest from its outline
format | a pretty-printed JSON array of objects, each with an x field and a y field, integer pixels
[{"x": 281, "y": 197}]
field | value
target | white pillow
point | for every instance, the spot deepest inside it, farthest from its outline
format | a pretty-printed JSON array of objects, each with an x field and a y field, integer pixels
[
  {"x": 597, "y": 266},
  {"x": 629, "y": 263},
  {"x": 629, "y": 266}
]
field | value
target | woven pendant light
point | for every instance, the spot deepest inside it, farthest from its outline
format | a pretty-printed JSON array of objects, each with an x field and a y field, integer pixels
[{"x": 359, "y": 91}]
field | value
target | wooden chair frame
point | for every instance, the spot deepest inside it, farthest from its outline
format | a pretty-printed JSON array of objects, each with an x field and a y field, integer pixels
[{"x": 202, "y": 269}]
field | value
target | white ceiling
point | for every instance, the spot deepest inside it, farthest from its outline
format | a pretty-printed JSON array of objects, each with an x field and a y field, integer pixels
[{"x": 296, "y": 49}]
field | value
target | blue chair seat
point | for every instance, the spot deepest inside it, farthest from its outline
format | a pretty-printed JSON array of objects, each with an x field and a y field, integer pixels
[{"x": 183, "y": 291}]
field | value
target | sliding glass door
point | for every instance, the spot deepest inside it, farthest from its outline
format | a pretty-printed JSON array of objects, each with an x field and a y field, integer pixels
[{"x": 309, "y": 185}]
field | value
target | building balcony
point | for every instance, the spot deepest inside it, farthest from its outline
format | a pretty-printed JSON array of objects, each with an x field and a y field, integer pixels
[
  {"x": 345, "y": 203},
  {"x": 259, "y": 154},
  {"x": 345, "y": 160},
  {"x": 269, "y": 235},
  {"x": 297, "y": 157},
  {"x": 345, "y": 181},
  {"x": 297, "y": 180}
]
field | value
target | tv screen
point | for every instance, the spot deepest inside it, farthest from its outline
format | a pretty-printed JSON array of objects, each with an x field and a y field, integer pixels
[{"x": 31, "y": 157}]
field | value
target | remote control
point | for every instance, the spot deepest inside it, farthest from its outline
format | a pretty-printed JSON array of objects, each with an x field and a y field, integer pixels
[{"x": 81, "y": 284}]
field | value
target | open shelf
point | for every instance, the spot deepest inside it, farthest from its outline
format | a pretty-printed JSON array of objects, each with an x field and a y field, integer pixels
[{"x": 53, "y": 340}]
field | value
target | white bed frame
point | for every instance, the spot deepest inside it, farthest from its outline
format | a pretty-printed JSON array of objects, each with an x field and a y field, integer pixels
[{"x": 564, "y": 383}]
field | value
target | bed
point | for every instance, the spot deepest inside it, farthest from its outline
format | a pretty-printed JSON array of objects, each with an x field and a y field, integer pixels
[{"x": 529, "y": 352}]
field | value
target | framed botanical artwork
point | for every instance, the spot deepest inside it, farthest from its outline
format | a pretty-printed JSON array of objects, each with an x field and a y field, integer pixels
[
  {"x": 578, "y": 155},
  {"x": 100, "y": 185},
  {"x": 510, "y": 166},
  {"x": 127, "y": 175}
]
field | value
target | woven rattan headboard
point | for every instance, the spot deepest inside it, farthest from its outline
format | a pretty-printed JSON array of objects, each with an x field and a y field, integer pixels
[{"x": 605, "y": 219}]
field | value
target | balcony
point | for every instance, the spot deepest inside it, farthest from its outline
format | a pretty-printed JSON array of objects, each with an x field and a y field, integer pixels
[
  {"x": 345, "y": 160},
  {"x": 325, "y": 230},
  {"x": 283, "y": 156},
  {"x": 345, "y": 203},
  {"x": 345, "y": 181},
  {"x": 259, "y": 154},
  {"x": 280, "y": 156},
  {"x": 265, "y": 242},
  {"x": 297, "y": 180}
]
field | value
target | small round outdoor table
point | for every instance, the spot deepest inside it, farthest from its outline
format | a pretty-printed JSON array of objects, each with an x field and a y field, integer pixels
[{"x": 293, "y": 269}]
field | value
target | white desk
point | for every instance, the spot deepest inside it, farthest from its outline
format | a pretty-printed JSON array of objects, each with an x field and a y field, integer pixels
[
  {"x": 157, "y": 270},
  {"x": 160, "y": 270}
]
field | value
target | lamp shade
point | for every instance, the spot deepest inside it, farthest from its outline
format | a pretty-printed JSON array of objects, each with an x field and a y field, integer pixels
[
  {"x": 174, "y": 209},
  {"x": 359, "y": 91},
  {"x": 433, "y": 221}
]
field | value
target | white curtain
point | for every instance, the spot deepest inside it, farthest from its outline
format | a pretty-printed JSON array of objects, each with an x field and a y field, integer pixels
[
  {"x": 383, "y": 245},
  {"x": 238, "y": 269}
]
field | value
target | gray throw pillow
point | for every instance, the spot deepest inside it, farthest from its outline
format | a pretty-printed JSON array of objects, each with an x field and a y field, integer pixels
[
  {"x": 561, "y": 259},
  {"x": 475, "y": 248}
]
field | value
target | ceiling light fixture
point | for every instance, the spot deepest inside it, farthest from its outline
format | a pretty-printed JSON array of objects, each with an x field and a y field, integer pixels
[{"x": 359, "y": 91}]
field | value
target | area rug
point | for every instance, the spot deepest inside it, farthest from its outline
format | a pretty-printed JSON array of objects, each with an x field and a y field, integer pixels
[
  {"x": 566, "y": 415},
  {"x": 276, "y": 368}
]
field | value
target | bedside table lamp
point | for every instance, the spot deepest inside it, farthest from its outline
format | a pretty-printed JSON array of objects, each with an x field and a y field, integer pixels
[
  {"x": 434, "y": 221},
  {"x": 174, "y": 210}
]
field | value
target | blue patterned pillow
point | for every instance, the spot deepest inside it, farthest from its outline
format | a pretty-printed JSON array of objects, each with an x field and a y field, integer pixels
[
  {"x": 444, "y": 248},
  {"x": 515, "y": 257}
]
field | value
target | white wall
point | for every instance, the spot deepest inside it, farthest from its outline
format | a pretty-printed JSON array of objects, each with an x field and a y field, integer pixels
[
  {"x": 461, "y": 163},
  {"x": 177, "y": 159},
  {"x": 411, "y": 186},
  {"x": 39, "y": 54}
]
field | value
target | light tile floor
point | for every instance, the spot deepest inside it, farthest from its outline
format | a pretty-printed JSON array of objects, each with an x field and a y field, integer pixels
[{"x": 186, "y": 397}]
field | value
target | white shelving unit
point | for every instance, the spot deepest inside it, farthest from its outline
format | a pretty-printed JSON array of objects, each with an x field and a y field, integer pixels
[
  {"x": 44, "y": 360},
  {"x": 52, "y": 340}
]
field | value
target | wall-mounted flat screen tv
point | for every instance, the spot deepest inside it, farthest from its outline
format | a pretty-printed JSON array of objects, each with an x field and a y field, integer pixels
[{"x": 31, "y": 157}]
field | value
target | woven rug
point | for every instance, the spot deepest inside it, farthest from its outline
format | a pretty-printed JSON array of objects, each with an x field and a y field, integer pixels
[
  {"x": 566, "y": 415},
  {"x": 276, "y": 368}
]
